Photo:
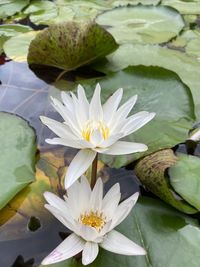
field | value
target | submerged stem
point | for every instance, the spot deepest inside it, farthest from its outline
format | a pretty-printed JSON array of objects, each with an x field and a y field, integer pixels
[
  {"x": 94, "y": 172},
  {"x": 60, "y": 75}
]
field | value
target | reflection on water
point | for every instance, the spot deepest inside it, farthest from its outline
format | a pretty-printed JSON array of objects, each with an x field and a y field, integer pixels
[{"x": 27, "y": 231}]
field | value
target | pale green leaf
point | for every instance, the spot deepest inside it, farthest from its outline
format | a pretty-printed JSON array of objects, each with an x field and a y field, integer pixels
[
  {"x": 142, "y": 24},
  {"x": 17, "y": 158},
  {"x": 185, "y": 178}
]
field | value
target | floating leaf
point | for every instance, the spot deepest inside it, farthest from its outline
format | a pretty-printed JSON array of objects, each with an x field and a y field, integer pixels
[
  {"x": 70, "y": 45},
  {"x": 11, "y": 30},
  {"x": 41, "y": 12},
  {"x": 117, "y": 3},
  {"x": 183, "y": 6},
  {"x": 190, "y": 41},
  {"x": 159, "y": 91},
  {"x": 185, "y": 179},
  {"x": 161, "y": 230},
  {"x": 11, "y": 7},
  {"x": 7, "y": 31},
  {"x": 16, "y": 48},
  {"x": 142, "y": 24},
  {"x": 151, "y": 172},
  {"x": 17, "y": 158},
  {"x": 186, "y": 67}
]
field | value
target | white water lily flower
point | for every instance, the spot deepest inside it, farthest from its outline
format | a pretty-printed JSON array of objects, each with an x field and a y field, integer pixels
[
  {"x": 92, "y": 219},
  {"x": 93, "y": 127}
]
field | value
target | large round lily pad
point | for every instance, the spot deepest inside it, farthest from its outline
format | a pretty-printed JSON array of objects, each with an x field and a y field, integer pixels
[
  {"x": 142, "y": 24},
  {"x": 70, "y": 45},
  {"x": 17, "y": 157}
]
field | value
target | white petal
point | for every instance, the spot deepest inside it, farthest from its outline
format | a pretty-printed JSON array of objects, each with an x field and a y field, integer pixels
[
  {"x": 73, "y": 194},
  {"x": 87, "y": 233},
  {"x": 125, "y": 109},
  {"x": 95, "y": 110},
  {"x": 97, "y": 196},
  {"x": 71, "y": 246},
  {"x": 111, "y": 201},
  {"x": 123, "y": 112},
  {"x": 122, "y": 147},
  {"x": 83, "y": 104},
  {"x": 111, "y": 105},
  {"x": 90, "y": 252},
  {"x": 78, "y": 166},
  {"x": 63, "y": 218},
  {"x": 84, "y": 194},
  {"x": 137, "y": 121},
  {"x": 56, "y": 202},
  {"x": 111, "y": 140},
  {"x": 59, "y": 108},
  {"x": 68, "y": 116},
  {"x": 67, "y": 100},
  {"x": 96, "y": 138},
  {"x": 120, "y": 244},
  {"x": 124, "y": 209},
  {"x": 60, "y": 129},
  {"x": 65, "y": 142}
]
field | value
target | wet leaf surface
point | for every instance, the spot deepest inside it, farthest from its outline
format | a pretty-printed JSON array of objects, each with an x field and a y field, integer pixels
[
  {"x": 70, "y": 45},
  {"x": 142, "y": 24},
  {"x": 186, "y": 67}
]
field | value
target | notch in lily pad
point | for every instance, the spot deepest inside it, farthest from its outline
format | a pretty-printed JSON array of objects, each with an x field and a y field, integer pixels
[{"x": 70, "y": 45}]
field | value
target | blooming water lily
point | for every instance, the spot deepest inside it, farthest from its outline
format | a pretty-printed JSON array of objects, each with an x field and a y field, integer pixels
[
  {"x": 92, "y": 220},
  {"x": 94, "y": 128}
]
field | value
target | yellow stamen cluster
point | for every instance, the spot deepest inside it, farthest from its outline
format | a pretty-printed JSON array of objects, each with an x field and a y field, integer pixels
[
  {"x": 93, "y": 219},
  {"x": 91, "y": 126}
]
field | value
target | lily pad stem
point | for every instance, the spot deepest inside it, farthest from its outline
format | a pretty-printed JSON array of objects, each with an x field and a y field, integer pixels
[
  {"x": 61, "y": 74},
  {"x": 94, "y": 172}
]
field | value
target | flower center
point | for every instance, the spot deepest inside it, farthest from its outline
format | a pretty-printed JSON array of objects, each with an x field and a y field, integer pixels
[
  {"x": 93, "y": 219},
  {"x": 91, "y": 126}
]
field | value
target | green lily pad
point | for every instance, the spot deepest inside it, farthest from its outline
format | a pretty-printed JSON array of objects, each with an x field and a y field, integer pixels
[
  {"x": 159, "y": 91},
  {"x": 45, "y": 12},
  {"x": 17, "y": 158},
  {"x": 151, "y": 171},
  {"x": 142, "y": 24},
  {"x": 185, "y": 178},
  {"x": 186, "y": 67},
  {"x": 10, "y": 30},
  {"x": 70, "y": 45},
  {"x": 11, "y": 7},
  {"x": 190, "y": 41},
  {"x": 117, "y": 3},
  {"x": 16, "y": 48},
  {"x": 183, "y": 6},
  {"x": 161, "y": 230},
  {"x": 7, "y": 31}
]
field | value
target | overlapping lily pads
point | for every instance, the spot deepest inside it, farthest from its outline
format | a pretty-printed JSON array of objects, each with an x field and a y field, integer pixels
[
  {"x": 11, "y": 7},
  {"x": 17, "y": 158},
  {"x": 142, "y": 24},
  {"x": 16, "y": 48},
  {"x": 70, "y": 45},
  {"x": 152, "y": 55}
]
